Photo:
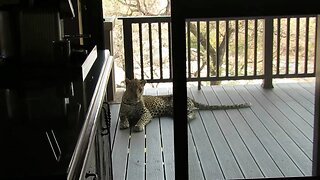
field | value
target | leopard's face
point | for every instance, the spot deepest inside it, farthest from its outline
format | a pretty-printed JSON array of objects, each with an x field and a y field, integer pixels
[{"x": 134, "y": 91}]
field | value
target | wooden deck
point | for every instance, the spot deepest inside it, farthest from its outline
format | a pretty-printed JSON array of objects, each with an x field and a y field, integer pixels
[{"x": 273, "y": 138}]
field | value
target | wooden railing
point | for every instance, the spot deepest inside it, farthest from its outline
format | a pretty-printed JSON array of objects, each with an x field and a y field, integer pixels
[{"x": 222, "y": 49}]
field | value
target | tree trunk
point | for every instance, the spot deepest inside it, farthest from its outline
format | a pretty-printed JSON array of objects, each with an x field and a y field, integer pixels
[{"x": 212, "y": 51}]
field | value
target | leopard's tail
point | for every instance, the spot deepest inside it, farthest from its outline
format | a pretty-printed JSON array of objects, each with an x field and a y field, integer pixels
[{"x": 200, "y": 106}]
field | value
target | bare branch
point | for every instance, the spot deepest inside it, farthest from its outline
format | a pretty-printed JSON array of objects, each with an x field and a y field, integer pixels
[
  {"x": 212, "y": 51},
  {"x": 141, "y": 7},
  {"x": 127, "y": 4}
]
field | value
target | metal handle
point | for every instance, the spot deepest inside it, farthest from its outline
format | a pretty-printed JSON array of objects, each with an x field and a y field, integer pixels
[
  {"x": 53, "y": 141},
  {"x": 94, "y": 175}
]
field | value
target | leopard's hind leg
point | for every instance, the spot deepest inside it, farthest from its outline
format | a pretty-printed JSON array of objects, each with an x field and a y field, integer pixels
[
  {"x": 191, "y": 115},
  {"x": 190, "y": 109}
]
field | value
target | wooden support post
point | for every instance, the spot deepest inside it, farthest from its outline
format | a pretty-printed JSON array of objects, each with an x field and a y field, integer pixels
[
  {"x": 179, "y": 91},
  {"x": 128, "y": 49},
  {"x": 108, "y": 27},
  {"x": 316, "y": 145},
  {"x": 268, "y": 52}
]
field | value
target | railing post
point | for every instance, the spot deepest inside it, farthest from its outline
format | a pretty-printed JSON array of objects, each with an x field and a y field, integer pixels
[
  {"x": 128, "y": 49},
  {"x": 108, "y": 27},
  {"x": 268, "y": 52}
]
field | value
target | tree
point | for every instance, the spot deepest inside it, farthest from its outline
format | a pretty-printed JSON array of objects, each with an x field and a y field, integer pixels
[{"x": 156, "y": 8}]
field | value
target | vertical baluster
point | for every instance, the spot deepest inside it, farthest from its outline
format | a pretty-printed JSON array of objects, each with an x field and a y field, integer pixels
[
  {"x": 150, "y": 50},
  {"x": 255, "y": 47},
  {"x": 316, "y": 43},
  {"x": 227, "y": 48},
  {"x": 160, "y": 49},
  {"x": 218, "y": 48},
  {"x": 297, "y": 45},
  {"x": 236, "y": 46},
  {"x": 141, "y": 51},
  {"x": 288, "y": 46},
  {"x": 170, "y": 50},
  {"x": 208, "y": 47},
  {"x": 246, "y": 48},
  {"x": 189, "y": 48},
  {"x": 198, "y": 53},
  {"x": 306, "y": 50},
  {"x": 278, "y": 44}
]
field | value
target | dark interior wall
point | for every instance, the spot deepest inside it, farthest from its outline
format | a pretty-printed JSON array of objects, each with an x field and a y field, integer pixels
[{"x": 92, "y": 22}]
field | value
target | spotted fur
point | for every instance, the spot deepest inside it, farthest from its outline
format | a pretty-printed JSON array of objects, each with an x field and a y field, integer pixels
[{"x": 137, "y": 109}]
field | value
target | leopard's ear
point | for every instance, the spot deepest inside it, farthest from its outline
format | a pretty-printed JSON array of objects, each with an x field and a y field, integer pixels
[
  {"x": 143, "y": 82},
  {"x": 127, "y": 81}
]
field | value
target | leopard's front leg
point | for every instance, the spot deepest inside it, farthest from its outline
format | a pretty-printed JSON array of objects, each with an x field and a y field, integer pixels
[
  {"x": 124, "y": 122},
  {"x": 144, "y": 120}
]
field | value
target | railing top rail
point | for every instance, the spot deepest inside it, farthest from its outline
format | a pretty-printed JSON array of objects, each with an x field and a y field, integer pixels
[
  {"x": 250, "y": 17},
  {"x": 145, "y": 19}
]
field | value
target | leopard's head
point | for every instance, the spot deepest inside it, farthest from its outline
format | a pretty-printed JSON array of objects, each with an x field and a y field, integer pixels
[{"x": 134, "y": 91}]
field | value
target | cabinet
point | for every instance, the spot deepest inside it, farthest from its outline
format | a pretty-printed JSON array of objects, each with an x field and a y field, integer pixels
[
  {"x": 52, "y": 90},
  {"x": 57, "y": 140}
]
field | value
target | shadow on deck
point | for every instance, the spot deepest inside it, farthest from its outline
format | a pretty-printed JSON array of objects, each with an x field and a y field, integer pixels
[{"x": 273, "y": 138}]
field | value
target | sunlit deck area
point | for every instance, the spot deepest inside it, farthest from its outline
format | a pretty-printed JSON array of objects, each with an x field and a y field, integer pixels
[{"x": 273, "y": 138}]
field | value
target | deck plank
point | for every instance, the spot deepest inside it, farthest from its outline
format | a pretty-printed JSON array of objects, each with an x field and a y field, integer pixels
[
  {"x": 283, "y": 106},
  {"x": 246, "y": 162},
  {"x": 259, "y": 153},
  {"x": 272, "y": 118},
  {"x": 299, "y": 91},
  {"x": 114, "y": 110},
  {"x": 278, "y": 155},
  {"x": 294, "y": 133},
  {"x": 136, "y": 159},
  {"x": 227, "y": 161},
  {"x": 303, "y": 112},
  {"x": 299, "y": 99},
  {"x": 298, "y": 87},
  {"x": 120, "y": 142},
  {"x": 284, "y": 141},
  {"x": 194, "y": 166},
  {"x": 120, "y": 154},
  {"x": 309, "y": 86},
  {"x": 167, "y": 137},
  {"x": 209, "y": 163},
  {"x": 154, "y": 166}
]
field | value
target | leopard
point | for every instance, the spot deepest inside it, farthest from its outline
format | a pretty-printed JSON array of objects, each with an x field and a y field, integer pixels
[{"x": 137, "y": 109}]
